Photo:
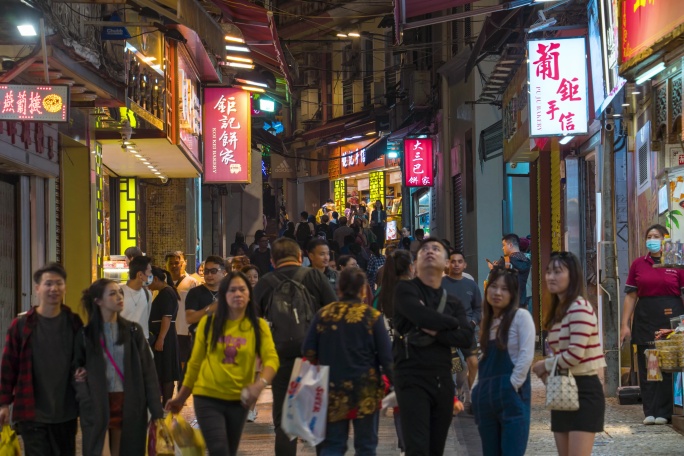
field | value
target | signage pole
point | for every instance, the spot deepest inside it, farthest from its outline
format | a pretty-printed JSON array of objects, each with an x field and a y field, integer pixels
[{"x": 43, "y": 45}]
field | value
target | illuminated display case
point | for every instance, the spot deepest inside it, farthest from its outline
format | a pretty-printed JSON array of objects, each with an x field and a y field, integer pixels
[{"x": 115, "y": 268}]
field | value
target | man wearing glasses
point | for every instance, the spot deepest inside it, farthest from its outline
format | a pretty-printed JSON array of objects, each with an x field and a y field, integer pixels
[{"x": 203, "y": 300}]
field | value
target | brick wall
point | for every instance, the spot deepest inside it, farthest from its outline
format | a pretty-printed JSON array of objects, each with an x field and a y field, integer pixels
[{"x": 163, "y": 217}]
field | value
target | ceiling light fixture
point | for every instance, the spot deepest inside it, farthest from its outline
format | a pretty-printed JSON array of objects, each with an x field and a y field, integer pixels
[
  {"x": 138, "y": 155},
  {"x": 341, "y": 35},
  {"x": 252, "y": 89},
  {"x": 643, "y": 77},
  {"x": 150, "y": 166},
  {"x": 27, "y": 30},
  {"x": 153, "y": 170},
  {"x": 157, "y": 173},
  {"x": 239, "y": 65},
  {"x": 237, "y": 48},
  {"x": 234, "y": 39},
  {"x": 565, "y": 140},
  {"x": 233, "y": 58},
  {"x": 354, "y": 34},
  {"x": 252, "y": 83}
]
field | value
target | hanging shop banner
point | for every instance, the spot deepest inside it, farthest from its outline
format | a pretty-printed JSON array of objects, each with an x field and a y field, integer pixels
[
  {"x": 37, "y": 103},
  {"x": 558, "y": 87},
  {"x": 227, "y": 142},
  {"x": 645, "y": 23},
  {"x": 418, "y": 162},
  {"x": 377, "y": 187},
  {"x": 353, "y": 157},
  {"x": 340, "y": 193},
  {"x": 188, "y": 102}
]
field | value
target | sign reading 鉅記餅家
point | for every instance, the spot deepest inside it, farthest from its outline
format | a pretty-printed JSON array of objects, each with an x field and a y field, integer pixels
[
  {"x": 557, "y": 73},
  {"x": 36, "y": 103},
  {"x": 418, "y": 162},
  {"x": 227, "y": 136}
]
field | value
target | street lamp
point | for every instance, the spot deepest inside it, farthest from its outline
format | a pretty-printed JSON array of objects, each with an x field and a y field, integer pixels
[{"x": 27, "y": 30}]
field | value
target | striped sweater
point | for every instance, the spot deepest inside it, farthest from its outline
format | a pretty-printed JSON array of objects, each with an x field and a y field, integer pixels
[{"x": 575, "y": 340}]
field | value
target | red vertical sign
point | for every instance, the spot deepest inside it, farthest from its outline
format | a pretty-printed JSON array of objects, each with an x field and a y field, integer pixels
[
  {"x": 418, "y": 162},
  {"x": 227, "y": 136}
]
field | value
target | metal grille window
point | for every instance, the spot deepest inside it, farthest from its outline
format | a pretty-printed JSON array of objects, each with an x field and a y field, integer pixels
[
  {"x": 468, "y": 29},
  {"x": 643, "y": 164}
]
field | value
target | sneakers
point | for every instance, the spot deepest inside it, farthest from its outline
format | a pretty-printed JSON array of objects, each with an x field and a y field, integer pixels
[
  {"x": 661, "y": 421},
  {"x": 650, "y": 420},
  {"x": 251, "y": 415}
]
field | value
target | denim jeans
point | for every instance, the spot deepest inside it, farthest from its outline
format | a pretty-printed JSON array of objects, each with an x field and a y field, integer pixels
[{"x": 365, "y": 437}]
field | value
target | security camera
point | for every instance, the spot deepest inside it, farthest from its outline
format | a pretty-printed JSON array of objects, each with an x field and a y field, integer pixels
[{"x": 164, "y": 179}]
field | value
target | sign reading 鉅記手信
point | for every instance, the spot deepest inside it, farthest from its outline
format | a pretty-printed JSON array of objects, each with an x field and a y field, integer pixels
[
  {"x": 558, "y": 92},
  {"x": 35, "y": 103},
  {"x": 227, "y": 136}
]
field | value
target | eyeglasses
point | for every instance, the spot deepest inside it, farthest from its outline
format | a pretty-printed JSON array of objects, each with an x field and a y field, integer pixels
[{"x": 212, "y": 271}]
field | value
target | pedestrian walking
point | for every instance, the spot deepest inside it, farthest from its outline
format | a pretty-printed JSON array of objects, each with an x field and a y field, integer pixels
[
  {"x": 319, "y": 256},
  {"x": 115, "y": 377},
  {"x": 163, "y": 338},
  {"x": 427, "y": 324},
  {"x": 290, "y": 231},
  {"x": 501, "y": 398},
  {"x": 221, "y": 370},
  {"x": 203, "y": 300},
  {"x": 304, "y": 230},
  {"x": 379, "y": 223},
  {"x": 653, "y": 296},
  {"x": 349, "y": 262},
  {"x": 398, "y": 266},
  {"x": 252, "y": 274},
  {"x": 377, "y": 260},
  {"x": 36, "y": 378},
  {"x": 261, "y": 257},
  {"x": 238, "y": 245},
  {"x": 350, "y": 337},
  {"x": 137, "y": 298},
  {"x": 176, "y": 263},
  {"x": 309, "y": 290},
  {"x": 574, "y": 340}
]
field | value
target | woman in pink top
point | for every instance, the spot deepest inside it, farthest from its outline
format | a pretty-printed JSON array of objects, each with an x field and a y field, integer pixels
[{"x": 573, "y": 339}]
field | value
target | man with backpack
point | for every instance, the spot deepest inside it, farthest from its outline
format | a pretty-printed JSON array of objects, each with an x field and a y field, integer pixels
[
  {"x": 288, "y": 298},
  {"x": 304, "y": 230}
]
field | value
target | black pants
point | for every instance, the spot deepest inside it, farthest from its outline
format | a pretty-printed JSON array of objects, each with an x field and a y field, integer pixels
[
  {"x": 41, "y": 439},
  {"x": 283, "y": 445},
  {"x": 426, "y": 403},
  {"x": 221, "y": 423},
  {"x": 656, "y": 396}
]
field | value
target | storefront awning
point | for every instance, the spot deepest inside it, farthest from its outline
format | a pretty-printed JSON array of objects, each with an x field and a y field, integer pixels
[
  {"x": 412, "y": 129},
  {"x": 376, "y": 150},
  {"x": 261, "y": 136},
  {"x": 259, "y": 31},
  {"x": 338, "y": 126},
  {"x": 167, "y": 158},
  {"x": 194, "y": 45}
]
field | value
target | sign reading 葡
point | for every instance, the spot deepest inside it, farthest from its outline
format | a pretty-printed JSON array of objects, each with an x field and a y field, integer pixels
[
  {"x": 558, "y": 87},
  {"x": 36, "y": 103}
]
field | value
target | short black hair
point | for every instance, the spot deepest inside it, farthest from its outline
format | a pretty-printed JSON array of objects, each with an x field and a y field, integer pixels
[
  {"x": 138, "y": 264},
  {"x": 335, "y": 214},
  {"x": 660, "y": 228},
  {"x": 427, "y": 241},
  {"x": 315, "y": 242},
  {"x": 54, "y": 268},
  {"x": 216, "y": 260},
  {"x": 304, "y": 214},
  {"x": 419, "y": 231},
  {"x": 512, "y": 238},
  {"x": 456, "y": 252},
  {"x": 133, "y": 252}
]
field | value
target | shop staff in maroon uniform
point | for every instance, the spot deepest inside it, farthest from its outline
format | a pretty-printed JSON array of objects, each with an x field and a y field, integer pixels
[{"x": 36, "y": 370}]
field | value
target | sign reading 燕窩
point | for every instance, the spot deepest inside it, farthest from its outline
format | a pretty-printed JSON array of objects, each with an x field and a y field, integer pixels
[
  {"x": 418, "y": 162},
  {"x": 36, "y": 103},
  {"x": 558, "y": 87},
  {"x": 227, "y": 131}
]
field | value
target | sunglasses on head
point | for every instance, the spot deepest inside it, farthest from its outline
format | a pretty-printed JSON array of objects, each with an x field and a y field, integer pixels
[
  {"x": 505, "y": 270},
  {"x": 212, "y": 271},
  {"x": 562, "y": 254}
]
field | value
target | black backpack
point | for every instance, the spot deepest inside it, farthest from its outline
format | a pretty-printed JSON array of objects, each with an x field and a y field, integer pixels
[
  {"x": 289, "y": 311},
  {"x": 303, "y": 234}
]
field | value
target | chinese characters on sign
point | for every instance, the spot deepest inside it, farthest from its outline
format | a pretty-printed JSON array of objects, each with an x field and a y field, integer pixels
[
  {"x": 558, "y": 87},
  {"x": 418, "y": 162},
  {"x": 644, "y": 23},
  {"x": 35, "y": 103},
  {"x": 340, "y": 193},
  {"x": 352, "y": 158},
  {"x": 376, "y": 184},
  {"x": 227, "y": 142}
]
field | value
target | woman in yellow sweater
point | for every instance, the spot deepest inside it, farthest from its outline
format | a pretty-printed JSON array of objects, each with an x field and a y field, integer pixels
[{"x": 220, "y": 373}]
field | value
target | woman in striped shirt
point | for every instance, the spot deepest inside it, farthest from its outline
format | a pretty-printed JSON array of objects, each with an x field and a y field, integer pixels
[{"x": 573, "y": 339}]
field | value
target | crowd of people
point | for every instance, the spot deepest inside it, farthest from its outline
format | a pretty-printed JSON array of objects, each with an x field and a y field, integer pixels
[{"x": 383, "y": 316}]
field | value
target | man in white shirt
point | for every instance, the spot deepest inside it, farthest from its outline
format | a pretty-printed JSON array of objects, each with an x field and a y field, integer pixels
[
  {"x": 137, "y": 299},
  {"x": 175, "y": 264}
]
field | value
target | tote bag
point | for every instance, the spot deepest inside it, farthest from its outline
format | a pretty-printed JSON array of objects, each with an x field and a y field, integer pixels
[{"x": 561, "y": 391}]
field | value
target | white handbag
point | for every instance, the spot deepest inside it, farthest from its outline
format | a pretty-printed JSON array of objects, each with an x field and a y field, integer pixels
[{"x": 561, "y": 391}]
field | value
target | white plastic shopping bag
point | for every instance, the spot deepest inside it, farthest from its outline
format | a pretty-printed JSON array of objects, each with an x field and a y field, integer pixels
[{"x": 306, "y": 405}]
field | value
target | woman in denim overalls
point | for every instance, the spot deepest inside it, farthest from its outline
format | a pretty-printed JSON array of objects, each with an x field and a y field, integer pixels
[{"x": 501, "y": 397}]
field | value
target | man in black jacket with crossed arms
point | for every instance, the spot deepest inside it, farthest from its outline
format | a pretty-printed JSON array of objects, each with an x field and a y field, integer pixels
[{"x": 422, "y": 379}]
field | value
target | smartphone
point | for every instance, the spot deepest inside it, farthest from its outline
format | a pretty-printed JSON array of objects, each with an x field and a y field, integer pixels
[{"x": 489, "y": 261}]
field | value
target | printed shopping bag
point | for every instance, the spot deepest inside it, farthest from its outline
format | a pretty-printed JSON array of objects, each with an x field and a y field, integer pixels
[
  {"x": 561, "y": 391},
  {"x": 9, "y": 443},
  {"x": 306, "y": 405},
  {"x": 653, "y": 372},
  {"x": 159, "y": 440},
  {"x": 187, "y": 440}
]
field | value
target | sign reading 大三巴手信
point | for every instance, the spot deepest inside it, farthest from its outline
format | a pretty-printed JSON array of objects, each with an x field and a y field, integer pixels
[
  {"x": 558, "y": 92},
  {"x": 35, "y": 103}
]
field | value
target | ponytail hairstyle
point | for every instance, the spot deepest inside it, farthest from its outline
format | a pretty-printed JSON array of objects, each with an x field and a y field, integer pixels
[
  {"x": 165, "y": 276},
  {"x": 221, "y": 316},
  {"x": 397, "y": 264},
  {"x": 94, "y": 329}
]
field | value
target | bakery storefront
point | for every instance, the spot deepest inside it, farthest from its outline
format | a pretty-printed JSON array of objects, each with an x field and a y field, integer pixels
[{"x": 355, "y": 183}]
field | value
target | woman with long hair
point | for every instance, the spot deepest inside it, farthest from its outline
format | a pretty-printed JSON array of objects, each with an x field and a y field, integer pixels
[
  {"x": 163, "y": 337},
  {"x": 116, "y": 381},
  {"x": 350, "y": 337},
  {"x": 574, "y": 340},
  {"x": 501, "y": 398},
  {"x": 398, "y": 266},
  {"x": 221, "y": 370}
]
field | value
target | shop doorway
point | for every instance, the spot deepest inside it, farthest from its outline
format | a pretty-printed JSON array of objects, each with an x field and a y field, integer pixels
[{"x": 8, "y": 254}]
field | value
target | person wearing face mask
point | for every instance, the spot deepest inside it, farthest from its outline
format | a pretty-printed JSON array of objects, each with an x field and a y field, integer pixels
[
  {"x": 137, "y": 298},
  {"x": 652, "y": 297}
]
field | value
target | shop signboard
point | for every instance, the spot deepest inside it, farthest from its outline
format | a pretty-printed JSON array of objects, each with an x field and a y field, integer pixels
[
  {"x": 418, "y": 162},
  {"x": 227, "y": 141},
  {"x": 353, "y": 157},
  {"x": 644, "y": 23},
  {"x": 35, "y": 103},
  {"x": 377, "y": 187},
  {"x": 340, "y": 193},
  {"x": 189, "y": 114},
  {"x": 558, "y": 89}
]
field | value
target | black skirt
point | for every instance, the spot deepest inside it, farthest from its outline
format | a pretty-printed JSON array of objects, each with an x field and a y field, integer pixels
[{"x": 589, "y": 417}]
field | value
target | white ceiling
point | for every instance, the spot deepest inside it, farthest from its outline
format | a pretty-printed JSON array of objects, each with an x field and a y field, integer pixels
[{"x": 162, "y": 155}]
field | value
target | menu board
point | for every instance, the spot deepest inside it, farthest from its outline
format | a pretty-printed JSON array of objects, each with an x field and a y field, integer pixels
[
  {"x": 340, "y": 193},
  {"x": 377, "y": 187}
]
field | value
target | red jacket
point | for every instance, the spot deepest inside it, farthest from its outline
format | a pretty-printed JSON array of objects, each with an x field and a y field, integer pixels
[{"x": 16, "y": 377}]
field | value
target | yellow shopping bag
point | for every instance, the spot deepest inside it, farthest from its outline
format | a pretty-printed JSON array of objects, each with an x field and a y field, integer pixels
[
  {"x": 188, "y": 440},
  {"x": 9, "y": 443},
  {"x": 159, "y": 440}
]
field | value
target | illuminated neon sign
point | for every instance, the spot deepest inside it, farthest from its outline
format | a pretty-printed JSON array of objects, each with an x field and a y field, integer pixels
[{"x": 36, "y": 103}]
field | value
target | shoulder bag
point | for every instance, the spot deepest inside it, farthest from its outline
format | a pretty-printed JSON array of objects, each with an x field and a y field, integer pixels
[{"x": 561, "y": 391}]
